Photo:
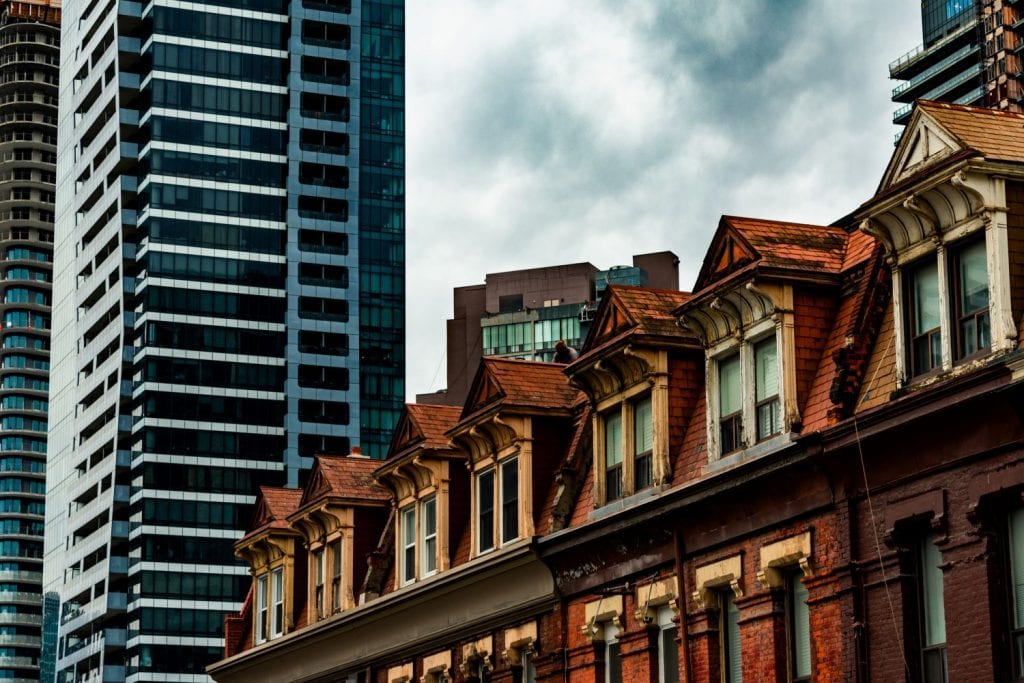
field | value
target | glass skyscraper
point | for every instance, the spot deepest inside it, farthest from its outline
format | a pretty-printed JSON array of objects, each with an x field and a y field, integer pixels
[
  {"x": 229, "y": 296},
  {"x": 29, "y": 48}
]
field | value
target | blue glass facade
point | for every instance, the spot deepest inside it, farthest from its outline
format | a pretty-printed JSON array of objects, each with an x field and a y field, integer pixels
[{"x": 219, "y": 152}]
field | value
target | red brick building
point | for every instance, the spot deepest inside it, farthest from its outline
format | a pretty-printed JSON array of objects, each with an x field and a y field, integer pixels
[{"x": 809, "y": 468}]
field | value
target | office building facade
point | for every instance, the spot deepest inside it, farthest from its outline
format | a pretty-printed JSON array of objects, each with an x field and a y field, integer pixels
[
  {"x": 29, "y": 58},
  {"x": 229, "y": 243},
  {"x": 970, "y": 54},
  {"x": 523, "y": 313}
]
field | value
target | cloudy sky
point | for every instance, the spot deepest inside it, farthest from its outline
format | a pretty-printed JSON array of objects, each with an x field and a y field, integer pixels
[{"x": 556, "y": 131}]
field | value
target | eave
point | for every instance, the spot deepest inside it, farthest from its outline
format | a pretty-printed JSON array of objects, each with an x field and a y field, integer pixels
[{"x": 501, "y": 588}]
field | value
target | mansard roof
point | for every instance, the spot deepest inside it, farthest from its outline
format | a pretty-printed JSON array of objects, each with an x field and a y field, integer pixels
[
  {"x": 741, "y": 242},
  {"x": 346, "y": 477},
  {"x": 519, "y": 385}
]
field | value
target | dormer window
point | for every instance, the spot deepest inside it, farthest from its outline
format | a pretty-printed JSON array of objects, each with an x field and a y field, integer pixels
[
  {"x": 971, "y": 300},
  {"x": 744, "y": 391},
  {"x": 730, "y": 404},
  {"x": 408, "y": 565},
  {"x": 262, "y": 609},
  {"x": 625, "y": 447},
  {"x": 767, "y": 408},
  {"x": 318, "y": 581},
  {"x": 485, "y": 510},
  {"x": 277, "y": 591},
  {"x": 966, "y": 289},
  {"x": 336, "y": 570},
  {"x": 428, "y": 534},
  {"x": 613, "y": 456},
  {"x": 925, "y": 322},
  {"x": 643, "y": 443},
  {"x": 501, "y": 496}
]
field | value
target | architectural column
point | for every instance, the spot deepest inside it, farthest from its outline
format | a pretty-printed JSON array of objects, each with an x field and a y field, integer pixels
[
  {"x": 763, "y": 636},
  {"x": 968, "y": 564}
]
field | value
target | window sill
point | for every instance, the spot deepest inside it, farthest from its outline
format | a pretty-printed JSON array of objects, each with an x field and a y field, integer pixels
[
  {"x": 619, "y": 504},
  {"x": 754, "y": 452},
  {"x": 963, "y": 366}
]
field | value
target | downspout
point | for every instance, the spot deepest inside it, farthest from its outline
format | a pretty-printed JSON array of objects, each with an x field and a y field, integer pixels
[{"x": 684, "y": 630}]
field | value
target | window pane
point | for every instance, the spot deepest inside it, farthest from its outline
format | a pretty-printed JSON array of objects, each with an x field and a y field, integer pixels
[
  {"x": 613, "y": 439},
  {"x": 408, "y": 544},
  {"x": 729, "y": 385},
  {"x": 643, "y": 426},
  {"x": 612, "y": 659},
  {"x": 766, "y": 368},
  {"x": 429, "y": 535},
  {"x": 801, "y": 627},
  {"x": 973, "y": 278},
  {"x": 934, "y": 608},
  {"x": 1017, "y": 565},
  {"x": 485, "y": 510},
  {"x": 926, "y": 298},
  {"x": 510, "y": 500},
  {"x": 733, "y": 653}
]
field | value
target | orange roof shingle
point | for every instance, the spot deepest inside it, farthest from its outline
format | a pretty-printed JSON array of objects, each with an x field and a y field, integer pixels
[
  {"x": 433, "y": 421},
  {"x": 793, "y": 245},
  {"x": 651, "y": 308},
  {"x": 345, "y": 477},
  {"x": 997, "y": 135},
  {"x": 528, "y": 384}
]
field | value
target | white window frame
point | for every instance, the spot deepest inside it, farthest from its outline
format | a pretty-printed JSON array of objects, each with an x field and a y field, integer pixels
[
  {"x": 428, "y": 558},
  {"x": 748, "y": 392},
  {"x": 497, "y": 471},
  {"x": 318, "y": 559},
  {"x": 503, "y": 466},
  {"x": 611, "y": 643},
  {"x": 407, "y": 542},
  {"x": 277, "y": 598},
  {"x": 1001, "y": 327},
  {"x": 262, "y": 608},
  {"x": 337, "y": 574},
  {"x": 665, "y": 624},
  {"x": 478, "y": 526}
]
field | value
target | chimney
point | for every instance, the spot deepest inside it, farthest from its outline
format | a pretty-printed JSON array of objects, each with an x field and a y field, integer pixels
[{"x": 357, "y": 452}]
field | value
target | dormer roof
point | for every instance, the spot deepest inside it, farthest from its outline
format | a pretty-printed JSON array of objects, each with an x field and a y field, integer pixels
[
  {"x": 519, "y": 386},
  {"x": 273, "y": 506},
  {"x": 423, "y": 426},
  {"x": 349, "y": 478},
  {"x": 636, "y": 310},
  {"x": 741, "y": 242},
  {"x": 940, "y": 133}
]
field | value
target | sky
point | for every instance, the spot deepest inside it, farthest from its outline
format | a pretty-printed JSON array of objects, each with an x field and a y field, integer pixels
[{"x": 542, "y": 132}]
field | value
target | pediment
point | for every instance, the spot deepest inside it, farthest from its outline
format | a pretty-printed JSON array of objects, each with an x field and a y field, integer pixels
[
  {"x": 612, "y": 319},
  {"x": 729, "y": 251},
  {"x": 407, "y": 432},
  {"x": 262, "y": 514},
  {"x": 485, "y": 390},
  {"x": 316, "y": 486},
  {"x": 924, "y": 142}
]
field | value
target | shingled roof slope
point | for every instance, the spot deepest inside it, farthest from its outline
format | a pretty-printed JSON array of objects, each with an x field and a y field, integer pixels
[
  {"x": 523, "y": 383},
  {"x": 998, "y": 135},
  {"x": 273, "y": 505},
  {"x": 340, "y": 476},
  {"x": 651, "y": 308},
  {"x": 433, "y": 421},
  {"x": 793, "y": 245}
]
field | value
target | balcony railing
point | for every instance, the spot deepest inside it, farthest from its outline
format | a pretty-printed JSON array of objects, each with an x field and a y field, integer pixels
[
  {"x": 921, "y": 51},
  {"x": 933, "y": 70}
]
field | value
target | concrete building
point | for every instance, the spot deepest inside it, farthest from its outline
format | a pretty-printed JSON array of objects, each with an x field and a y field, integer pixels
[
  {"x": 809, "y": 468},
  {"x": 229, "y": 298},
  {"x": 970, "y": 54},
  {"x": 523, "y": 313},
  {"x": 29, "y": 59}
]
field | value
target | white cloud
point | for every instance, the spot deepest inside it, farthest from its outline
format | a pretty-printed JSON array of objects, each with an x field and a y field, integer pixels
[{"x": 544, "y": 132}]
